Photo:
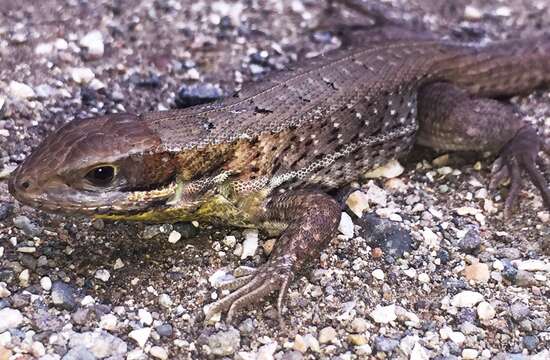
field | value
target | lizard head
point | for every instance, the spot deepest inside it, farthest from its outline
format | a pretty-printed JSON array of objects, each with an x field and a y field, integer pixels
[{"x": 96, "y": 166}]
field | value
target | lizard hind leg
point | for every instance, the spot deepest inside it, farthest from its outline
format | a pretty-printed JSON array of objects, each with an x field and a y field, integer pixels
[
  {"x": 451, "y": 119},
  {"x": 312, "y": 219}
]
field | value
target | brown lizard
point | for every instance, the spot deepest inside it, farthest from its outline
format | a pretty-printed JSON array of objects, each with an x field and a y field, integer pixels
[{"x": 267, "y": 156}]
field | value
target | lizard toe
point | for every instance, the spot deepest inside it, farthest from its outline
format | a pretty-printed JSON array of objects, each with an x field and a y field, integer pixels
[
  {"x": 520, "y": 155},
  {"x": 251, "y": 289}
]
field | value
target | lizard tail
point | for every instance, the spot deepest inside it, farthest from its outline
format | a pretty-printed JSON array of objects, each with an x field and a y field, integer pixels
[{"x": 502, "y": 69}]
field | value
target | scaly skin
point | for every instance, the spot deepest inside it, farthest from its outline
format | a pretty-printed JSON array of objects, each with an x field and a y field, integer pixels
[{"x": 266, "y": 156}]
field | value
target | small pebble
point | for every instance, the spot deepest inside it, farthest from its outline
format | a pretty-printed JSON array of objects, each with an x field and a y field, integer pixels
[
  {"x": 469, "y": 354},
  {"x": 250, "y": 243},
  {"x": 10, "y": 319},
  {"x": 346, "y": 227},
  {"x": 20, "y": 90},
  {"x": 485, "y": 311},
  {"x": 358, "y": 202},
  {"x": 46, "y": 283},
  {"x": 328, "y": 335},
  {"x": 197, "y": 94},
  {"x": 174, "y": 237},
  {"x": 383, "y": 314},
  {"x": 519, "y": 311},
  {"x": 477, "y": 272},
  {"x": 158, "y": 352},
  {"x": 466, "y": 299},
  {"x": 224, "y": 343},
  {"x": 103, "y": 275},
  {"x": 93, "y": 43},
  {"x": 385, "y": 344},
  {"x": 63, "y": 295},
  {"x": 390, "y": 170},
  {"x": 109, "y": 322},
  {"x": 470, "y": 242},
  {"x": 145, "y": 317},
  {"x": 165, "y": 301},
  {"x": 378, "y": 274},
  {"x": 140, "y": 336},
  {"x": 424, "y": 278},
  {"x": 164, "y": 330},
  {"x": 82, "y": 75}
]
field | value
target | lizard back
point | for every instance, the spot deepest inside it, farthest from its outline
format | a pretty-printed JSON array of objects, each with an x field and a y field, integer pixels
[{"x": 328, "y": 120}]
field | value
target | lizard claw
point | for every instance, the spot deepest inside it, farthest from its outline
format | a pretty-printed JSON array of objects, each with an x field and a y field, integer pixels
[
  {"x": 249, "y": 289},
  {"x": 519, "y": 154}
]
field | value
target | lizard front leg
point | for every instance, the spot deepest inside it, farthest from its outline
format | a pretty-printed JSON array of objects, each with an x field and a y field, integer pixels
[
  {"x": 451, "y": 119},
  {"x": 312, "y": 219}
]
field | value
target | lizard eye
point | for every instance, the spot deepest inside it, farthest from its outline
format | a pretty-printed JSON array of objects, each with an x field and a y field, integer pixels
[{"x": 101, "y": 176}]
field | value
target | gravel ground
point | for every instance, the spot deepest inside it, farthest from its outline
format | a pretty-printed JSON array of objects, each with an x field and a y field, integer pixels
[{"x": 433, "y": 270}]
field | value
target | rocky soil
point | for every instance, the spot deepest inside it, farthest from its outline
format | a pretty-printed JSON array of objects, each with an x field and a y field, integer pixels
[{"x": 424, "y": 267}]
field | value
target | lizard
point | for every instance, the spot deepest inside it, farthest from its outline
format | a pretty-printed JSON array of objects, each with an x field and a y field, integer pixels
[{"x": 268, "y": 156}]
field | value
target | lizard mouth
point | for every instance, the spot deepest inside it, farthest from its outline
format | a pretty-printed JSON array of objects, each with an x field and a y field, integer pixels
[{"x": 57, "y": 197}]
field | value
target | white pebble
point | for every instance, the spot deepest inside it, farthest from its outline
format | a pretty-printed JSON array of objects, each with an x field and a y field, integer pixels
[
  {"x": 328, "y": 335},
  {"x": 486, "y": 354},
  {"x": 466, "y": 298},
  {"x": 87, "y": 300},
  {"x": 82, "y": 75},
  {"x": 44, "y": 49},
  {"x": 46, "y": 283},
  {"x": 174, "y": 237},
  {"x": 24, "y": 277},
  {"x": 485, "y": 311},
  {"x": 96, "y": 84},
  {"x": 250, "y": 243},
  {"x": 423, "y": 278},
  {"x": 165, "y": 301},
  {"x": 358, "y": 202},
  {"x": 61, "y": 44},
  {"x": 390, "y": 170},
  {"x": 230, "y": 241},
  {"x": 140, "y": 336},
  {"x": 378, "y": 274},
  {"x": 376, "y": 195},
  {"x": 469, "y": 354},
  {"x": 266, "y": 351},
  {"x": 457, "y": 337},
  {"x": 93, "y": 43},
  {"x": 158, "y": 352},
  {"x": 219, "y": 277},
  {"x": 533, "y": 265},
  {"x": 10, "y": 319},
  {"x": 472, "y": 13},
  {"x": 4, "y": 292},
  {"x": 419, "y": 353},
  {"x": 38, "y": 349},
  {"x": 498, "y": 265},
  {"x": 19, "y": 90},
  {"x": 136, "y": 354},
  {"x": 103, "y": 275},
  {"x": 5, "y": 338},
  {"x": 109, "y": 322},
  {"x": 346, "y": 226},
  {"x": 431, "y": 238},
  {"x": 410, "y": 272},
  {"x": 145, "y": 317},
  {"x": 503, "y": 11},
  {"x": 119, "y": 264},
  {"x": 383, "y": 314}
]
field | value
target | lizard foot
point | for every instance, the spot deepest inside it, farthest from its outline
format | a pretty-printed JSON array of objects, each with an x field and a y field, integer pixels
[
  {"x": 519, "y": 154},
  {"x": 275, "y": 275}
]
